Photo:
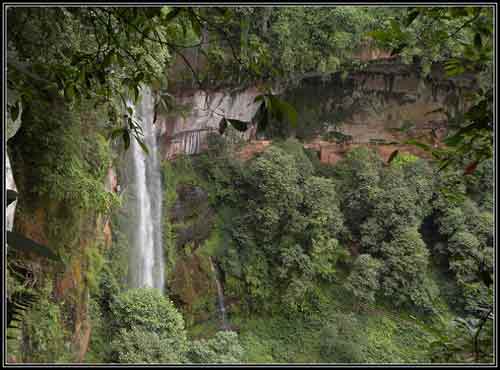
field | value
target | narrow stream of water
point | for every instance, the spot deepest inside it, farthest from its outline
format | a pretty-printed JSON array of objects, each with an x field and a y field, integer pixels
[{"x": 220, "y": 298}]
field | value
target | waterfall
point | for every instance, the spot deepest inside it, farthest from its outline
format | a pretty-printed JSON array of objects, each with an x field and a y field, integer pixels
[
  {"x": 146, "y": 257},
  {"x": 220, "y": 298}
]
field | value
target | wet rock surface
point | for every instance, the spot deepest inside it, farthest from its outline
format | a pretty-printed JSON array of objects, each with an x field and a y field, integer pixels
[{"x": 191, "y": 216}]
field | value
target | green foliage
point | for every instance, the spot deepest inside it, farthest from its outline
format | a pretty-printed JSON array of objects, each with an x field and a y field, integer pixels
[
  {"x": 64, "y": 165},
  {"x": 98, "y": 350},
  {"x": 398, "y": 203},
  {"x": 61, "y": 163},
  {"x": 376, "y": 335},
  {"x": 116, "y": 272},
  {"x": 336, "y": 136},
  {"x": 384, "y": 206},
  {"x": 95, "y": 263},
  {"x": 296, "y": 149},
  {"x": 224, "y": 347},
  {"x": 147, "y": 327},
  {"x": 285, "y": 235},
  {"x": 453, "y": 31},
  {"x": 304, "y": 39},
  {"x": 274, "y": 114},
  {"x": 181, "y": 172},
  {"x": 467, "y": 258},
  {"x": 146, "y": 308},
  {"x": 276, "y": 42},
  {"x": 461, "y": 39},
  {"x": 467, "y": 234},
  {"x": 274, "y": 177},
  {"x": 17, "y": 304},
  {"x": 110, "y": 53},
  {"x": 95, "y": 53},
  {"x": 403, "y": 275},
  {"x": 280, "y": 233},
  {"x": 138, "y": 345},
  {"x": 45, "y": 337},
  {"x": 480, "y": 186},
  {"x": 403, "y": 158},
  {"x": 395, "y": 337},
  {"x": 463, "y": 341},
  {"x": 358, "y": 175},
  {"x": 341, "y": 341},
  {"x": 363, "y": 281}
]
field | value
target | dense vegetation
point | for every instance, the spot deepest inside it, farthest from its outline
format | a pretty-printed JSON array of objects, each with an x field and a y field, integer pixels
[
  {"x": 337, "y": 254},
  {"x": 361, "y": 261}
]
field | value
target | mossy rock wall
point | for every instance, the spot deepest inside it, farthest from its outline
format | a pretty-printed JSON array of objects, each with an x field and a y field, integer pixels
[
  {"x": 376, "y": 101},
  {"x": 59, "y": 161}
]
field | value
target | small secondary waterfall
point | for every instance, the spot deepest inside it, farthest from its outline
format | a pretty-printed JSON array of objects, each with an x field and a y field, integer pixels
[
  {"x": 220, "y": 298},
  {"x": 146, "y": 260},
  {"x": 191, "y": 142}
]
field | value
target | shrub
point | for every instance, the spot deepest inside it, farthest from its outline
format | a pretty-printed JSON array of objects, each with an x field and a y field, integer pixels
[
  {"x": 223, "y": 348},
  {"x": 147, "y": 327},
  {"x": 403, "y": 274},
  {"x": 138, "y": 345},
  {"x": 44, "y": 335},
  {"x": 342, "y": 340},
  {"x": 358, "y": 177},
  {"x": 148, "y": 309},
  {"x": 363, "y": 281}
]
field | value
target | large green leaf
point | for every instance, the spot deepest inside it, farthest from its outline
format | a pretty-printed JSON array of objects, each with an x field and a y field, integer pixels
[
  {"x": 418, "y": 144},
  {"x": 126, "y": 138},
  {"x": 237, "y": 124},
  {"x": 222, "y": 126},
  {"x": 262, "y": 117},
  {"x": 195, "y": 23},
  {"x": 412, "y": 16},
  {"x": 381, "y": 35},
  {"x": 21, "y": 243},
  {"x": 115, "y": 133},
  {"x": 259, "y": 98},
  {"x": 142, "y": 145},
  {"x": 11, "y": 196},
  {"x": 454, "y": 140},
  {"x": 289, "y": 112},
  {"x": 393, "y": 155},
  {"x": 281, "y": 110},
  {"x": 478, "y": 41},
  {"x": 399, "y": 48},
  {"x": 14, "y": 111},
  {"x": 172, "y": 14},
  {"x": 69, "y": 92},
  {"x": 17, "y": 304}
]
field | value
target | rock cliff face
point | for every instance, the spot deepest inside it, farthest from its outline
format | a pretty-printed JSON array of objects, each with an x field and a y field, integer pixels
[
  {"x": 70, "y": 282},
  {"x": 387, "y": 101},
  {"x": 187, "y": 133},
  {"x": 191, "y": 282},
  {"x": 381, "y": 106}
]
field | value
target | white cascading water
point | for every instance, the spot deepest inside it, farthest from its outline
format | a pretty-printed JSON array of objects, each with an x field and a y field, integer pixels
[{"x": 146, "y": 262}]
